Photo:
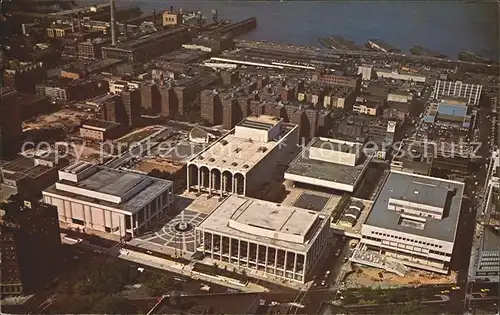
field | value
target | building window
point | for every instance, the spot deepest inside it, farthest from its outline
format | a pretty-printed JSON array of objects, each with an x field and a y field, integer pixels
[{"x": 79, "y": 222}]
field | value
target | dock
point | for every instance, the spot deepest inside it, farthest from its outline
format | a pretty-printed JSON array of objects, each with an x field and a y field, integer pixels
[
  {"x": 472, "y": 57},
  {"x": 338, "y": 42},
  {"x": 422, "y": 51},
  {"x": 380, "y": 45}
]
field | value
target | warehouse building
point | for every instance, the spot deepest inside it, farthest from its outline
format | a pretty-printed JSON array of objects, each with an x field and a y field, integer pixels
[
  {"x": 109, "y": 202},
  {"x": 414, "y": 221},
  {"x": 470, "y": 91},
  {"x": 243, "y": 160},
  {"x": 329, "y": 163},
  {"x": 148, "y": 46},
  {"x": 278, "y": 240}
]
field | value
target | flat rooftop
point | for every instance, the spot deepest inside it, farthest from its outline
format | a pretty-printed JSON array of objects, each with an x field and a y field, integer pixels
[
  {"x": 263, "y": 215},
  {"x": 137, "y": 42},
  {"x": 335, "y": 145},
  {"x": 101, "y": 124},
  {"x": 491, "y": 239},
  {"x": 430, "y": 191},
  {"x": 332, "y": 172},
  {"x": 117, "y": 183},
  {"x": 24, "y": 166},
  {"x": 261, "y": 122},
  {"x": 237, "y": 154}
]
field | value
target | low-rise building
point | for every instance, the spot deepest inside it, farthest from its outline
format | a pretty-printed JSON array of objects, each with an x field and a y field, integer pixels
[
  {"x": 279, "y": 241},
  {"x": 241, "y": 161},
  {"x": 28, "y": 176},
  {"x": 329, "y": 163},
  {"x": 112, "y": 203},
  {"x": 400, "y": 75},
  {"x": 414, "y": 221},
  {"x": 470, "y": 91},
  {"x": 100, "y": 130}
]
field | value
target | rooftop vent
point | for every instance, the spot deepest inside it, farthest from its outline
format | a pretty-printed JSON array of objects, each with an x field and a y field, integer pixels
[
  {"x": 224, "y": 142},
  {"x": 200, "y": 157},
  {"x": 262, "y": 149},
  {"x": 234, "y": 164},
  {"x": 237, "y": 150},
  {"x": 416, "y": 192},
  {"x": 212, "y": 160},
  {"x": 246, "y": 166}
]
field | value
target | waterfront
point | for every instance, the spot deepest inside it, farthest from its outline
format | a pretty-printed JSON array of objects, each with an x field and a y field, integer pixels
[{"x": 447, "y": 27}]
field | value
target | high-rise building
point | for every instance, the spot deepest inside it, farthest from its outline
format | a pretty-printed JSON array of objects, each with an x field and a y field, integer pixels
[
  {"x": 29, "y": 243},
  {"x": 10, "y": 125},
  {"x": 168, "y": 101},
  {"x": 230, "y": 77},
  {"x": 211, "y": 107},
  {"x": 150, "y": 98},
  {"x": 231, "y": 112},
  {"x": 132, "y": 104}
]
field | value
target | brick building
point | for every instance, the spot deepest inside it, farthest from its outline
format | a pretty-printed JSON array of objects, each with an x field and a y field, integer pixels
[{"x": 30, "y": 243}]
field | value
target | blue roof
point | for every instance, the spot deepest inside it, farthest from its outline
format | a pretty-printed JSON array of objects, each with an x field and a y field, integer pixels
[
  {"x": 452, "y": 110},
  {"x": 429, "y": 118}
]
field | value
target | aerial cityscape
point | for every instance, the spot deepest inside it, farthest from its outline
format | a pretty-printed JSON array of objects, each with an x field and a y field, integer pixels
[{"x": 249, "y": 157}]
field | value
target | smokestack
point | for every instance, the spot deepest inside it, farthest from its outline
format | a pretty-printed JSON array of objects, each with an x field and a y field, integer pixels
[
  {"x": 113, "y": 24},
  {"x": 72, "y": 24},
  {"x": 24, "y": 29},
  {"x": 171, "y": 9},
  {"x": 154, "y": 17},
  {"x": 125, "y": 30}
]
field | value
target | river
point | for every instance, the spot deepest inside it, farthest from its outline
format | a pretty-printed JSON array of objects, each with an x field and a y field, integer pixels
[{"x": 444, "y": 26}]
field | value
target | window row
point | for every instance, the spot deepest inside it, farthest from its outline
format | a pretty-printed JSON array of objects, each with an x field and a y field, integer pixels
[{"x": 406, "y": 239}]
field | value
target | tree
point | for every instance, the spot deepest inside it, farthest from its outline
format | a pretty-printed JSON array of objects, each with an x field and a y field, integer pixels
[
  {"x": 157, "y": 286},
  {"x": 112, "y": 305}
]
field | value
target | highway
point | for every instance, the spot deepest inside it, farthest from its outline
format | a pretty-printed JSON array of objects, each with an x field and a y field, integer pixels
[{"x": 322, "y": 52}]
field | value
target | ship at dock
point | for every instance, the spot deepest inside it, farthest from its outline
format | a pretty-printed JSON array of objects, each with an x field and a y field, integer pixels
[
  {"x": 338, "y": 42},
  {"x": 472, "y": 57},
  {"x": 380, "y": 45},
  {"x": 422, "y": 51}
]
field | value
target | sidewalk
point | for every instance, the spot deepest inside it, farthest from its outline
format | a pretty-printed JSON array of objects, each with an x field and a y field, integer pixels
[{"x": 170, "y": 266}]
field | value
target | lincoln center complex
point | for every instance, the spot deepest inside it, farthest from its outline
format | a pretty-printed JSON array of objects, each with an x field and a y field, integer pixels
[
  {"x": 278, "y": 240},
  {"x": 329, "y": 163},
  {"x": 414, "y": 221},
  {"x": 110, "y": 201},
  {"x": 243, "y": 159}
]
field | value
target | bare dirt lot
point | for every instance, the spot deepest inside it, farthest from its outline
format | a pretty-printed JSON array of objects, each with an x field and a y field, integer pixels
[
  {"x": 370, "y": 277},
  {"x": 64, "y": 118}
]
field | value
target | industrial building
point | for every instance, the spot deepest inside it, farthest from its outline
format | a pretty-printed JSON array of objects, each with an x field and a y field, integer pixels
[
  {"x": 414, "y": 221},
  {"x": 329, "y": 163},
  {"x": 398, "y": 74},
  {"x": 109, "y": 202},
  {"x": 149, "y": 46},
  {"x": 471, "y": 92},
  {"x": 280, "y": 241},
  {"x": 242, "y": 161},
  {"x": 30, "y": 242}
]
